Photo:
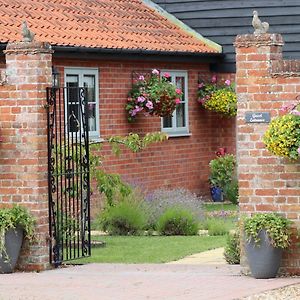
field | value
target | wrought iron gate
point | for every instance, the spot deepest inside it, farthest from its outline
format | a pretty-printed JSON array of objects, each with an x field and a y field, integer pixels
[{"x": 68, "y": 174}]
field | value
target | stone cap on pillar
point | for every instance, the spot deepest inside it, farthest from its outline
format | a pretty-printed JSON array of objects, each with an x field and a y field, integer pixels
[
  {"x": 33, "y": 47},
  {"x": 254, "y": 40}
]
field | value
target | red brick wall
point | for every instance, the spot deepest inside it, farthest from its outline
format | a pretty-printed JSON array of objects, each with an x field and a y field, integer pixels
[
  {"x": 23, "y": 150},
  {"x": 264, "y": 83},
  {"x": 178, "y": 162}
]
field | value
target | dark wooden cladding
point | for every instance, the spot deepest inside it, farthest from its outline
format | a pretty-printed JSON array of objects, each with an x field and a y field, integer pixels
[{"x": 222, "y": 20}]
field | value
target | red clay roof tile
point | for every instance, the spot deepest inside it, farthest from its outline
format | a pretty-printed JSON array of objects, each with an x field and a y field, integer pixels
[{"x": 112, "y": 24}]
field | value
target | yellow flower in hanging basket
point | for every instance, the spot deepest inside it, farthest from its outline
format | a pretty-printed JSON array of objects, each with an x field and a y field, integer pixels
[
  {"x": 220, "y": 98},
  {"x": 282, "y": 137}
]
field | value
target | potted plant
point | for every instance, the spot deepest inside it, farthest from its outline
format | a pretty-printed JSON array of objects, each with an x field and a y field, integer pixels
[
  {"x": 218, "y": 97},
  {"x": 282, "y": 137},
  {"x": 222, "y": 173},
  {"x": 155, "y": 95},
  {"x": 15, "y": 223},
  {"x": 266, "y": 235}
]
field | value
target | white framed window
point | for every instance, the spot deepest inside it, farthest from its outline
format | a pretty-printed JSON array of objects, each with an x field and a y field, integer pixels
[
  {"x": 178, "y": 123},
  {"x": 87, "y": 78}
]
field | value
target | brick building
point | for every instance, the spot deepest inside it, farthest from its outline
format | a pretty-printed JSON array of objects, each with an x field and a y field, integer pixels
[{"x": 101, "y": 46}]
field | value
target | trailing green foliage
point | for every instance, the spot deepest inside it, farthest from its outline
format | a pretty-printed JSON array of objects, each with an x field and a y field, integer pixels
[
  {"x": 125, "y": 218},
  {"x": 232, "y": 249},
  {"x": 277, "y": 227},
  {"x": 11, "y": 218},
  {"x": 111, "y": 185},
  {"x": 134, "y": 142},
  {"x": 177, "y": 221}
]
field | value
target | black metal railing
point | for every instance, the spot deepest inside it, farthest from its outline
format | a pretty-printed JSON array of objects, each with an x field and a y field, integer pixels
[{"x": 68, "y": 174}]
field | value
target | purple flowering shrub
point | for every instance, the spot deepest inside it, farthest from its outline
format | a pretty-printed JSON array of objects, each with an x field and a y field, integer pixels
[
  {"x": 222, "y": 214},
  {"x": 159, "y": 201},
  {"x": 153, "y": 96}
]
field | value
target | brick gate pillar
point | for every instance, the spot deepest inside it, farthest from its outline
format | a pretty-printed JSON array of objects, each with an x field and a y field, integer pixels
[
  {"x": 264, "y": 82},
  {"x": 24, "y": 147}
]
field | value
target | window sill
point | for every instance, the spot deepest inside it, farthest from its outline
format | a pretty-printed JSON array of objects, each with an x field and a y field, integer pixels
[
  {"x": 175, "y": 135},
  {"x": 95, "y": 139}
]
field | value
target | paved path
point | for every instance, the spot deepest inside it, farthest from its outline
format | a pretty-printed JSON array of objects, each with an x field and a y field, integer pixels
[
  {"x": 212, "y": 257},
  {"x": 136, "y": 282}
]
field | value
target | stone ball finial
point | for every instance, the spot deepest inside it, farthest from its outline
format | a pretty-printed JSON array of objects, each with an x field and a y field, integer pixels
[
  {"x": 27, "y": 35},
  {"x": 259, "y": 26}
]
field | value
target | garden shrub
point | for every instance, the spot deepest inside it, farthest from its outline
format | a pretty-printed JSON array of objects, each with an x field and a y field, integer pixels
[
  {"x": 232, "y": 249},
  {"x": 125, "y": 218},
  {"x": 232, "y": 192},
  {"x": 160, "y": 200},
  {"x": 222, "y": 170},
  {"x": 177, "y": 221},
  {"x": 216, "y": 226}
]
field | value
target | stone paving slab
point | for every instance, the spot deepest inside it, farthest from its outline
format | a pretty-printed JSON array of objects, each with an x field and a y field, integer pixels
[
  {"x": 136, "y": 282},
  {"x": 211, "y": 257}
]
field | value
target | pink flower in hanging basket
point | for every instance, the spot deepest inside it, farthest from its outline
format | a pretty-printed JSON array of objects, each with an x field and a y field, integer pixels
[
  {"x": 149, "y": 105},
  {"x": 214, "y": 79},
  {"x": 227, "y": 82},
  {"x": 141, "y": 99},
  {"x": 155, "y": 72},
  {"x": 201, "y": 85}
]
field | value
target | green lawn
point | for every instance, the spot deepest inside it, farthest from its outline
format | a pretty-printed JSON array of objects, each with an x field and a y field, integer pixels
[
  {"x": 150, "y": 249},
  {"x": 220, "y": 206}
]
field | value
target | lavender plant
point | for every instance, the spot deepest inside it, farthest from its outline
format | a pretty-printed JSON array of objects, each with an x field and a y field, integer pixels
[{"x": 161, "y": 200}]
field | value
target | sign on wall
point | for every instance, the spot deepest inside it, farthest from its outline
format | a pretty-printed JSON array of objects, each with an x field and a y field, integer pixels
[{"x": 257, "y": 117}]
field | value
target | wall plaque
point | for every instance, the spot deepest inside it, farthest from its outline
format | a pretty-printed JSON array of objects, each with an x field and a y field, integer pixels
[{"x": 257, "y": 117}]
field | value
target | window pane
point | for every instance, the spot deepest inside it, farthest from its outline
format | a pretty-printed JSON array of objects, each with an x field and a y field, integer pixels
[
  {"x": 180, "y": 84},
  {"x": 89, "y": 84},
  {"x": 180, "y": 115},
  {"x": 73, "y": 119},
  {"x": 72, "y": 85},
  {"x": 167, "y": 122},
  {"x": 92, "y": 116}
]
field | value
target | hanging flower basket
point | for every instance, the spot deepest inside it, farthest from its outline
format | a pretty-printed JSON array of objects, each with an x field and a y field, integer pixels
[
  {"x": 220, "y": 98},
  {"x": 153, "y": 96},
  {"x": 282, "y": 137}
]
